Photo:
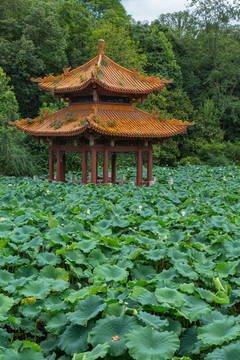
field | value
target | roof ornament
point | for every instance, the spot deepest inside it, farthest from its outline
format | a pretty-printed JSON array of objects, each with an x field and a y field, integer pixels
[
  {"x": 135, "y": 72},
  {"x": 155, "y": 114},
  {"x": 101, "y": 47},
  {"x": 66, "y": 70}
]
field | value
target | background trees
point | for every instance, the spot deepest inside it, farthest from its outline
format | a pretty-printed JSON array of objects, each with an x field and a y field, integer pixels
[{"x": 198, "y": 48}]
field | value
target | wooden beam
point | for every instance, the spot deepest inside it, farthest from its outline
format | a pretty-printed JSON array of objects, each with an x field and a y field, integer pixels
[
  {"x": 51, "y": 165},
  {"x": 84, "y": 164},
  {"x": 93, "y": 164},
  {"x": 139, "y": 165},
  {"x": 63, "y": 166},
  {"x": 58, "y": 161},
  {"x": 100, "y": 148},
  {"x": 114, "y": 168},
  {"x": 105, "y": 163},
  {"x": 149, "y": 164}
]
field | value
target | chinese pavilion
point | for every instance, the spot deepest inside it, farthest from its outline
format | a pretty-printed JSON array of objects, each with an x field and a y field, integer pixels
[{"x": 100, "y": 117}]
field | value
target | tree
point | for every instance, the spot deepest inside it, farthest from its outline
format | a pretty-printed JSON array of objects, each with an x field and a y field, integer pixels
[
  {"x": 160, "y": 57},
  {"x": 14, "y": 156},
  {"x": 34, "y": 45},
  {"x": 118, "y": 45}
]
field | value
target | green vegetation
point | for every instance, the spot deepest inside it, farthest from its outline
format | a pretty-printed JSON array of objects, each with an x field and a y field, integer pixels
[
  {"x": 198, "y": 48},
  {"x": 91, "y": 272}
]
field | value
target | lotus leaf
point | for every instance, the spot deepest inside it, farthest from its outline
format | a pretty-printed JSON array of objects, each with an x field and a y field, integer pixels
[
  {"x": 112, "y": 330},
  {"x": 219, "y": 331},
  {"x": 86, "y": 310},
  {"x": 98, "y": 352},
  {"x": 145, "y": 343}
]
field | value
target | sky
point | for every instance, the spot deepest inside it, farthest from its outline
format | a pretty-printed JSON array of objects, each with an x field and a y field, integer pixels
[{"x": 151, "y": 9}]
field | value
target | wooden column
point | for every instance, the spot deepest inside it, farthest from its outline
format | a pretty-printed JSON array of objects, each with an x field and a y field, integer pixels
[
  {"x": 94, "y": 164},
  {"x": 105, "y": 163},
  {"x": 63, "y": 165},
  {"x": 114, "y": 168},
  {"x": 84, "y": 163},
  {"x": 58, "y": 161},
  {"x": 149, "y": 164},
  {"x": 139, "y": 165},
  {"x": 51, "y": 164}
]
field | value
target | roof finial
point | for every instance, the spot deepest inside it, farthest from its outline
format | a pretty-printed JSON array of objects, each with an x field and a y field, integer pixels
[{"x": 101, "y": 47}]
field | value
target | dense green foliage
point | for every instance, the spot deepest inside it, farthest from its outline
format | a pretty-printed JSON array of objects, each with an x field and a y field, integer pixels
[
  {"x": 198, "y": 48},
  {"x": 90, "y": 272}
]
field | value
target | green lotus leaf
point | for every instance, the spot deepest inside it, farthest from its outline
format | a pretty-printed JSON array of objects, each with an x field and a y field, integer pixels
[
  {"x": 187, "y": 341},
  {"x": 225, "y": 269},
  {"x": 219, "y": 331},
  {"x": 27, "y": 272},
  {"x": 114, "y": 309},
  {"x": 76, "y": 256},
  {"x": 232, "y": 248},
  {"x": 5, "y": 229},
  {"x": 109, "y": 273},
  {"x": 145, "y": 343},
  {"x": 176, "y": 255},
  {"x": 5, "y": 278},
  {"x": 74, "y": 339},
  {"x": 5, "y": 305},
  {"x": 43, "y": 259},
  {"x": 52, "y": 223},
  {"x": 57, "y": 324},
  {"x": 30, "y": 311},
  {"x": 220, "y": 297},
  {"x": 152, "y": 320},
  {"x": 187, "y": 288},
  {"x": 169, "y": 297},
  {"x": 155, "y": 255},
  {"x": 145, "y": 272},
  {"x": 14, "y": 285},
  {"x": 38, "y": 288},
  {"x": 228, "y": 352},
  {"x": 111, "y": 330},
  {"x": 96, "y": 257},
  {"x": 186, "y": 270},
  {"x": 87, "y": 245},
  {"x": 205, "y": 268},
  {"x": 194, "y": 308},
  {"x": 86, "y": 310},
  {"x": 53, "y": 304},
  {"x": 149, "y": 298},
  {"x": 25, "y": 354},
  {"x": 4, "y": 339},
  {"x": 30, "y": 345},
  {"x": 78, "y": 294},
  {"x": 98, "y": 352},
  {"x": 51, "y": 272}
]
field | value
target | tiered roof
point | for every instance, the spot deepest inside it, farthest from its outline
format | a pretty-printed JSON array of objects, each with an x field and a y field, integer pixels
[
  {"x": 115, "y": 120},
  {"x": 103, "y": 72},
  {"x": 104, "y": 118}
]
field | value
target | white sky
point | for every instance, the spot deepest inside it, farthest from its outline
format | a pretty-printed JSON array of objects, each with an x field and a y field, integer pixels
[{"x": 151, "y": 9}]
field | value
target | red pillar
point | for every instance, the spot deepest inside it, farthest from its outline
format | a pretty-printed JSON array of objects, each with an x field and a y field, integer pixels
[
  {"x": 63, "y": 166},
  {"x": 105, "y": 164},
  {"x": 149, "y": 165},
  {"x": 139, "y": 165},
  {"x": 114, "y": 167},
  {"x": 94, "y": 164},
  {"x": 84, "y": 163},
  {"x": 58, "y": 162},
  {"x": 51, "y": 164}
]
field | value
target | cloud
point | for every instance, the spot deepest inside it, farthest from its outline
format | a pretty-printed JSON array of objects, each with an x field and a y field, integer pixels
[{"x": 151, "y": 9}]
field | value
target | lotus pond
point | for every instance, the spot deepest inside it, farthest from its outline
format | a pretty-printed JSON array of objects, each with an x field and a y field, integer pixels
[{"x": 91, "y": 272}]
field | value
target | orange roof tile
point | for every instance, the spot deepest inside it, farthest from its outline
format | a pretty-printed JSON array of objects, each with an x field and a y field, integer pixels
[
  {"x": 114, "y": 120},
  {"x": 104, "y": 72}
]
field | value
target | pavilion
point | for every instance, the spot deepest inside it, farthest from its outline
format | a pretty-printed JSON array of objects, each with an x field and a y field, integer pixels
[{"x": 100, "y": 117}]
